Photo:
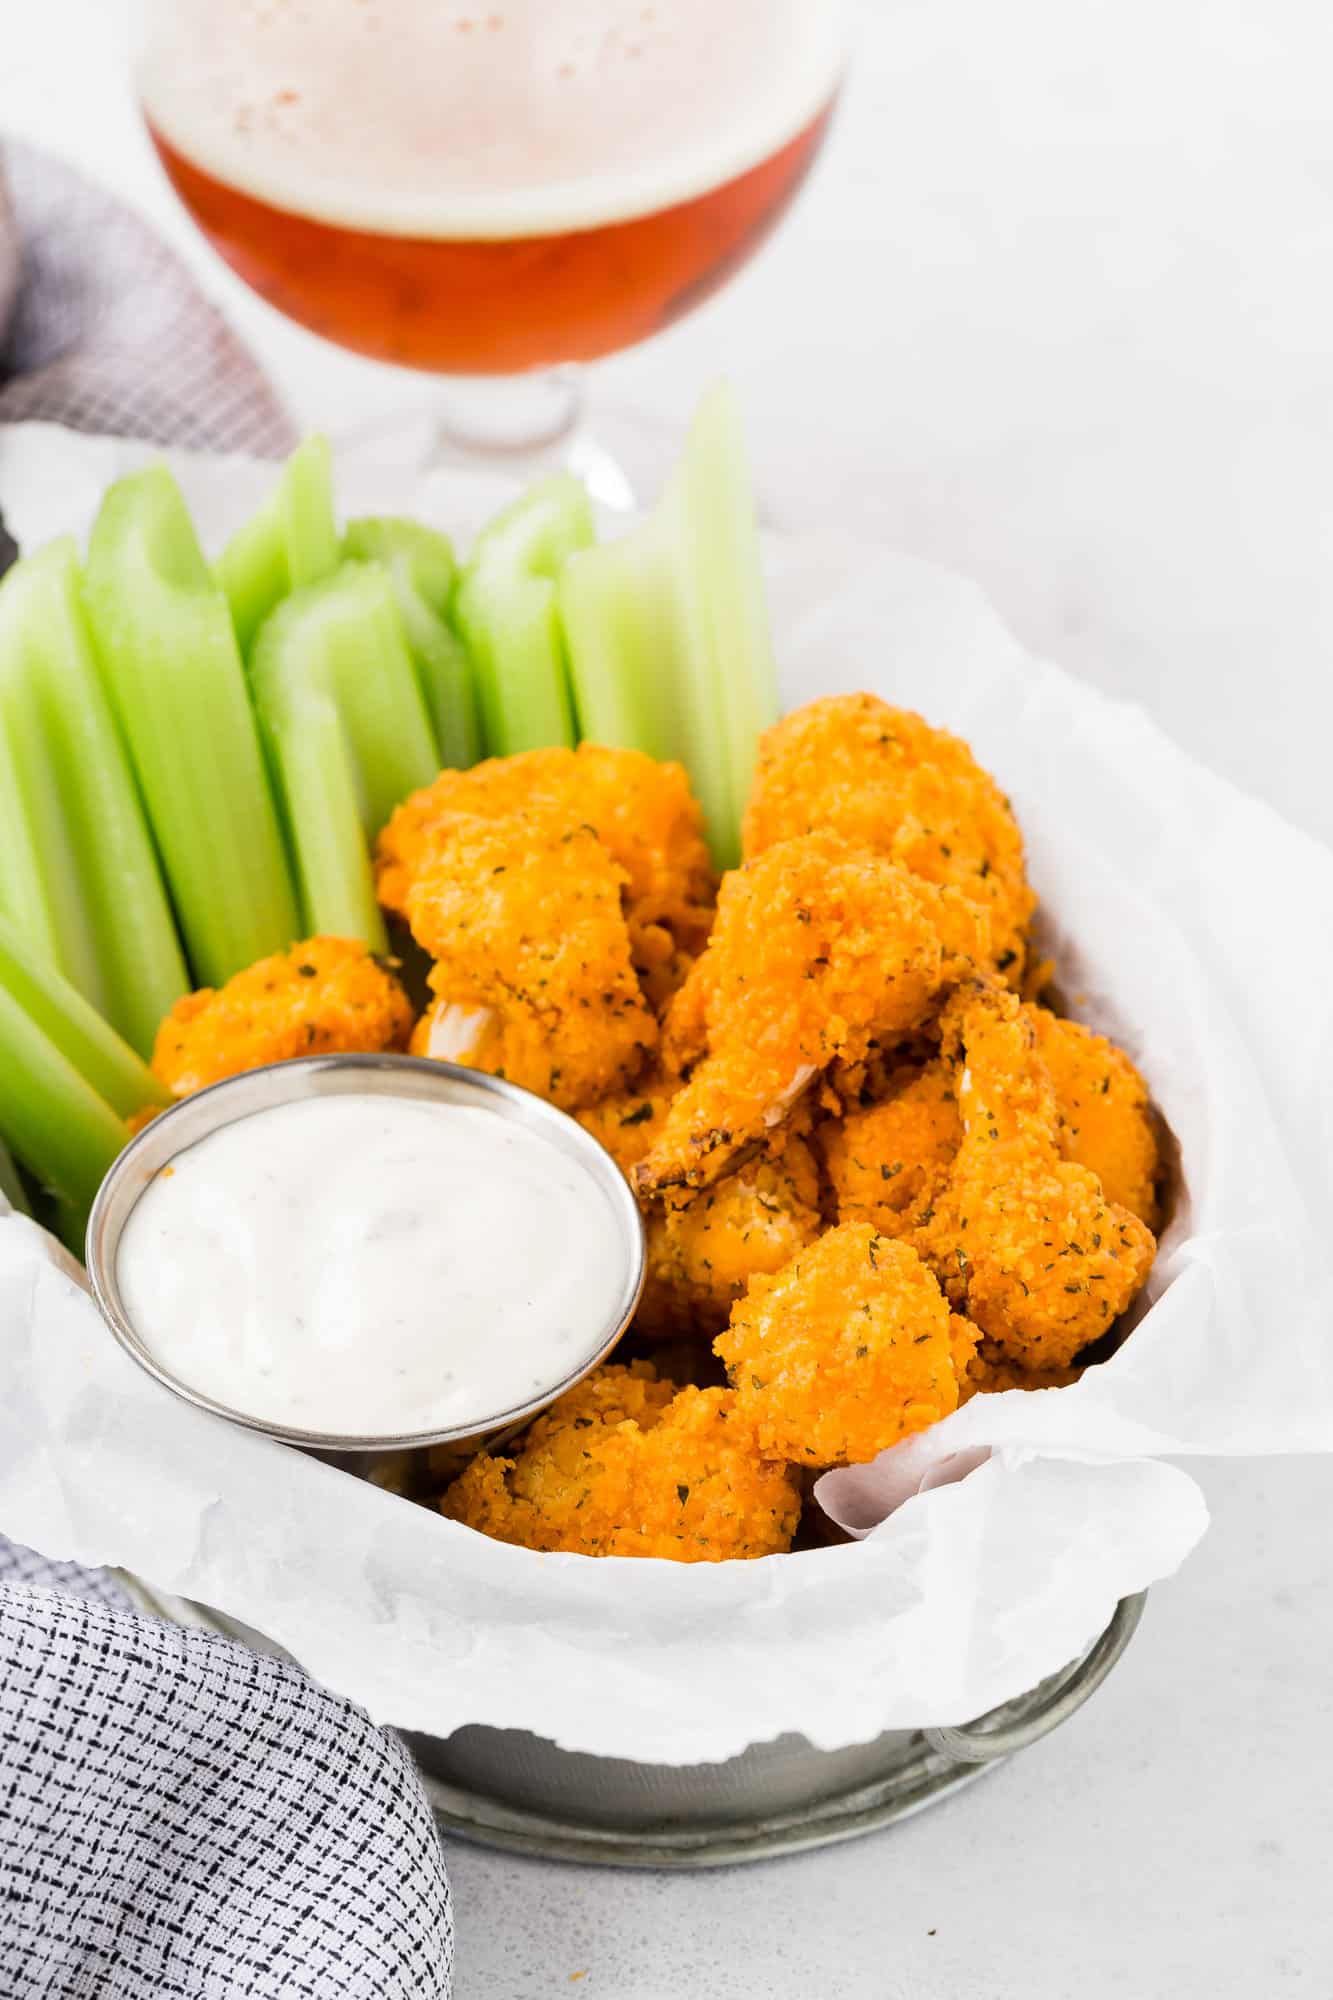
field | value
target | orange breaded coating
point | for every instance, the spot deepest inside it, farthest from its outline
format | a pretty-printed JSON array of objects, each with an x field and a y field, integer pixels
[
  {"x": 818, "y": 951},
  {"x": 643, "y": 812},
  {"x": 683, "y": 1358},
  {"x": 609, "y": 1396},
  {"x": 627, "y": 1466},
  {"x": 327, "y": 995},
  {"x": 987, "y": 1373},
  {"x": 627, "y": 1123},
  {"x": 685, "y": 1020},
  {"x": 881, "y": 777},
  {"x": 704, "y": 1246},
  {"x": 1024, "y": 1242},
  {"x": 887, "y": 1161},
  {"x": 523, "y": 918},
  {"x": 847, "y": 1349},
  {"x": 1105, "y": 1121}
]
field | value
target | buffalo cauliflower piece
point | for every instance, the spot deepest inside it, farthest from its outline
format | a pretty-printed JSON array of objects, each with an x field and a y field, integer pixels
[
  {"x": 818, "y": 952},
  {"x": 886, "y": 1161},
  {"x": 627, "y": 1123},
  {"x": 987, "y": 1373},
  {"x": 1024, "y": 1242},
  {"x": 1105, "y": 1119},
  {"x": 642, "y": 811},
  {"x": 704, "y": 1245},
  {"x": 624, "y": 1465},
  {"x": 881, "y": 777},
  {"x": 325, "y": 996},
  {"x": 533, "y": 973},
  {"x": 847, "y": 1349}
]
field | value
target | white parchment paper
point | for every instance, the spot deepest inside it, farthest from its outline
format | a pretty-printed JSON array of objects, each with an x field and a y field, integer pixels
[{"x": 1194, "y": 925}]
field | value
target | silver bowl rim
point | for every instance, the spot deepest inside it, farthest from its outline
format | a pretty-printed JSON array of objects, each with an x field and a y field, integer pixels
[{"x": 192, "y": 1118}]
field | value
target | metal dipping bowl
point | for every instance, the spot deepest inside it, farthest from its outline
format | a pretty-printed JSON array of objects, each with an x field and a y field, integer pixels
[{"x": 446, "y": 1084}]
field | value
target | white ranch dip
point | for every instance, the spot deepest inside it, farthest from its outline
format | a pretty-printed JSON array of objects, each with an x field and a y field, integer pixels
[{"x": 372, "y": 1265}]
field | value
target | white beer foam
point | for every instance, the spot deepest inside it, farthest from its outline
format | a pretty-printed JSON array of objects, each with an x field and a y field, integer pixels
[{"x": 523, "y": 117}]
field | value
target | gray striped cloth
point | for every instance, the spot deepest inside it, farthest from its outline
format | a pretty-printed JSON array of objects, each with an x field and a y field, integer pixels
[{"x": 179, "y": 1817}]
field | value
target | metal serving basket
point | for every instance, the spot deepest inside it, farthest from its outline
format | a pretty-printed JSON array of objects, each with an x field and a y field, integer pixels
[{"x": 507, "y": 1788}]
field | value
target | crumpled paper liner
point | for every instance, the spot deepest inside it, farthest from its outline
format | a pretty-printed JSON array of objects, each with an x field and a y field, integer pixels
[{"x": 1199, "y": 929}]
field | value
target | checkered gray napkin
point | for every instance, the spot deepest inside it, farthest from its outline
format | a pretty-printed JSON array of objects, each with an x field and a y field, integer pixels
[
  {"x": 103, "y": 329},
  {"x": 179, "y": 1817}
]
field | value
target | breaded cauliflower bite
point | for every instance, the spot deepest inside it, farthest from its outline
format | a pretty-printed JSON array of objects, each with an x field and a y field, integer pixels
[
  {"x": 642, "y": 811},
  {"x": 704, "y": 1246},
  {"x": 1105, "y": 1120},
  {"x": 533, "y": 974},
  {"x": 625, "y": 1465},
  {"x": 1024, "y": 1242},
  {"x": 987, "y": 1373},
  {"x": 847, "y": 1349},
  {"x": 818, "y": 951},
  {"x": 881, "y": 777},
  {"x": 886, "y": 1162},
  {"x": 325, "y": 996},
  {"x": 627, "y": 1123}
]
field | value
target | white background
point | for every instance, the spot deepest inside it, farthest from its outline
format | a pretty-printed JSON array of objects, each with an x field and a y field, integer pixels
[{"x": 1057, "y": 309}]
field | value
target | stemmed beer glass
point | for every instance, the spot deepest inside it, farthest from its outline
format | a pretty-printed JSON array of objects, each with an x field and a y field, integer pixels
[{"x": 488, "y": 192}]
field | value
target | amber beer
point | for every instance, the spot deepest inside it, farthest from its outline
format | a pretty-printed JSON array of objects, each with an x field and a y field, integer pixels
[{"x": 482, "y": 191}]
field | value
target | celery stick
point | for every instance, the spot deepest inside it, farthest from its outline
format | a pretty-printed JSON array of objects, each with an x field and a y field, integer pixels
[
  {"x": 420, "y": 563},
  {"x": 64, "y": 1133},
  {"x": 252, "y": 571},
  {"x": 310, "y": 522},
  {"x": 667, "y": 630},
  {"x": 724, "y": 562},
  {"x": 348, "y": 736},
  {"x": 618, "y": 617},
  {"x": 12, "y": 1189},
  {"x": 170, "y": 660},
  {"x": 507, "y": 613},
  {"x": 697, "y": 739},
  {"x": 75, "y": 1029},
  {"x": 78, "y": 873},
  {"x": 292, "y": 541},
  {"x": 36, "y": 868}
]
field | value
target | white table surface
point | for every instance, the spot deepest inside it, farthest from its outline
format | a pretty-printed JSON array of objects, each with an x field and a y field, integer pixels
[{"x": 1057, "y": 310}]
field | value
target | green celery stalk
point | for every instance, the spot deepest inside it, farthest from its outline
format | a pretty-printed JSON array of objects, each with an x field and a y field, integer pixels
[
  {"x": 290, "y": 542},
  {"x": 723, "y": 563},
  {"x": 348, "y": 736},
  {"x": 64, "y": 1133},
  {"x": 252, "y": 573},
  {"x": 78, "y": 873},
  {"x": 506, "y": 610},
  {"x": 36, "y": 867},
  {"x": 309, "y": 518},
  {"x": 170, "y": 660},
  {"x": 618, "y": 610},
  {"x": 667, "y": 629},
  {"x": 11, "y": 1187},
  {"x": 420, "y": 563},
  {"x": 60, "y": 1013}
]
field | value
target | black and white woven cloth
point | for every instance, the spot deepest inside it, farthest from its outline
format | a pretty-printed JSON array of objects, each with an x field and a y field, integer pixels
[
  {"x": 180, "y": 1818},
  {"x": 103, "y": 329}
]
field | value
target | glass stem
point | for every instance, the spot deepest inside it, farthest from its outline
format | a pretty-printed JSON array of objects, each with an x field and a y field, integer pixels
[{"x": 518, "y": 415}]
